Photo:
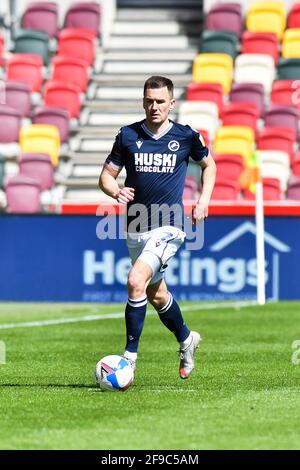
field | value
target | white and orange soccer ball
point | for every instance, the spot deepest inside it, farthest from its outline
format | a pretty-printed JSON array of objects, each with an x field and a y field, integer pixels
[{"x": 114, "y": 373}]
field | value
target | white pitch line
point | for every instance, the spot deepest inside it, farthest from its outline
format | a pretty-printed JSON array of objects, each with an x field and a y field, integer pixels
[{"x": 105, "y": 316}]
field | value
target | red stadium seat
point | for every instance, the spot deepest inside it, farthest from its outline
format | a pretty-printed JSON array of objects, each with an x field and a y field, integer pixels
[
  {"x": 58, "y": 117},
  {"x": 293, "y": 20},
  {"x": 229, "y": 166},
  {"x": 23, "y": 194},
  {"x": 63, "y": 95},
  {"x": 1, "y": 50},
  {"x": 212, "y": 92},
  {"x": 260, "y": 43},
  {"x": 296, "y": 164},
  {"x": 42, "y": 16},
  {"x": 271, "y": 138},
  {"x": 237, "y": 114},
  {"x": 226, "y": 190},
  {"x": 271, "y": 190},
  {"x": 286, "y": 92},
  {"x": 26, "y": 68},
  {"x": 78, "y": 43},
  {"x": 84, "y": 15},
  {"x": 39, "y": 167},
  {"x": 70, "y": 70}
]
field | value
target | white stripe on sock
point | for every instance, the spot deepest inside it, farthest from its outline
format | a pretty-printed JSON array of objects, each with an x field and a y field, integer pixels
[
  {"x": 168, "y": 304},
  {"x": 137, "y": 302}
]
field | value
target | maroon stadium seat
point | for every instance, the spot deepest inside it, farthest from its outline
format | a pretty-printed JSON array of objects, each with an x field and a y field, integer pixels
[
  {"x": 252, "y": 93},
  {"x": 212, "y": 92},
  {"x": 70, "y": 70},
  {"x": 280, "y": 115},
  {"x": 37, "y": 166},
  {"x": 58, "y": 117},
  {"x": 63, "y": 95},
  {"x": 293, "y": 191},
  {"x": 17, "y": 96},
  {"x": 78, "y": 43},
  {"x": 84, "y": 15},
  {"x": 260, "y": 43},
  {"x": 10, "y": 122},
  {"x": 23, "y": 194},
  {"x": 225, "y": 17},
  {"x": 26, "y": 68},
  {"x": 42, "y": 16}
]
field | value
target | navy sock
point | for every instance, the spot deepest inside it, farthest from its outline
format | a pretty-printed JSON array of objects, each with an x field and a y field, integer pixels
[
  {"x": 134, "y": 316},
  {"x": 171, "y": 317}
]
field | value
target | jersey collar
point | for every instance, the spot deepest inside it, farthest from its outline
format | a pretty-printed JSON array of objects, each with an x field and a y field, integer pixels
[{"x": 160, "y": 134}]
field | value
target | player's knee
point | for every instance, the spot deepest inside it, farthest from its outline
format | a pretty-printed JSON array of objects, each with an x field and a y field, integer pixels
[{"x": 136, "y": 284}]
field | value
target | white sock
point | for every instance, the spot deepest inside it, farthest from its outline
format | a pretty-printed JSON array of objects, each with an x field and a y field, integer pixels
[
  {"x": 184, "y": 344},
  {"x": 130, "y": 355}
]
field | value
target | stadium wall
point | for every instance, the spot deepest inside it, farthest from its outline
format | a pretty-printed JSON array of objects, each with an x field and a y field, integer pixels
[{"x": 61, "y": 258}]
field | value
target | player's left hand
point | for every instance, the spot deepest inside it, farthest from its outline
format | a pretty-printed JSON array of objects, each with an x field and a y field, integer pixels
[{"x": 200, "y": 211}]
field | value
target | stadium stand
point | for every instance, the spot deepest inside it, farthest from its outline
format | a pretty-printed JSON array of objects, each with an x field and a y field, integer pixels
[
  {"x": 85, "y": 16},
  {"x": 37, "y": 166},
  {"x": 32, "y": 42},
  {"x": 225, "y": 17},
  {"x": 26, "y": 68},
  {"x": 222, "y": 42},
  {"x": 63, "y": 95},
  {"x": 215, "y": 68},
  {"x": 58, "y": 117},
  {"x": 42, "y": 17},
  {"x": 77, "y": 43},
  {"x": 211, "y": 92},
  {"x": 35, "y": 137},
  {"x": 23, "y": 195},
  {"x": 17, "y": 96},
  {"x": 263, "y": 43}
]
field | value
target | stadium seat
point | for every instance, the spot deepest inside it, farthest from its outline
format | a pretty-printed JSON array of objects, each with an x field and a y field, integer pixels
[
  {"x": 271, "y": 138},
  {"x": 225, "y": 190},
  {"x": 286, "y": 92},
  {"x": 23, "y": 195},
  {"x": 63, "y": 95},
  {"x": 17, "y": 96},
  {"x": 291, "y": 44},
  {"x": 10, "y": 122},
  {"x": 78, "y": 43},
  {"x": 2, "y": 162},
  {"x": 41, "y": 16},
  {"x": 271, "y": 190},
  {"x": 230, "y": 166},
  {"x": 225, "y": 17},
  {"x": 1, "y": 50},
  {"x": 222, "y": 42},
  {"x": 29, "y": 41},
  {"x": 41, "y": 138},
  {"x": 252, "y": 93},
  {"x": 255, "y": 68},
  {"x": 26, "y": 68},
  {"x": 70, "y": 70},
  {"x": 293, "y": 191},
  {"x": 214, "y": 68},
  {"x": 260, "y": 43},
  {"x": 288, "y": 69},
  {"x": 235, "y": 139},
  {"x": 84, "y": 15},
  {"x": 293, "y": 20},
  {"x": 266, "y": 16},
  {"x": 200, "y": 115},
  {"x": 212, "y": 92},
  {"x": 39, "y": 167},
  {"x": 190, "y": 187},
  {"x": 296, "y": 164},
  {"x": 237, "y": 114},
  {"x": 58, "y": 117},
  {"x": 275, "y": 164},
  {"x": 286, "y": 116}
]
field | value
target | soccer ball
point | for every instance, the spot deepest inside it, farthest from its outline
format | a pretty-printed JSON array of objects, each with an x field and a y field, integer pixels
[{"x": 114, "y": 373}]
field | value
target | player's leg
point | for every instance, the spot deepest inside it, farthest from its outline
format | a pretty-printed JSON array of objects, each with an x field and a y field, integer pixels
[{"x": 138, "y": 279}]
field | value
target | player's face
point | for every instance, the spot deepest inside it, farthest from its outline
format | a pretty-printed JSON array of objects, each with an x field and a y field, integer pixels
[{"x": 157, "y": 105}]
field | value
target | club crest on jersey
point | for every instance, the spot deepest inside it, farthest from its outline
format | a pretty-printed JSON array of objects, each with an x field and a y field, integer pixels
[
  {"x": 139, "y": 143},
  {"x": 173, "y": 145}
]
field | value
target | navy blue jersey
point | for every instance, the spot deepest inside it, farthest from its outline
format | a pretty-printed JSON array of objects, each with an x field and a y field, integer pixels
[{"x": 156, "y": 167}]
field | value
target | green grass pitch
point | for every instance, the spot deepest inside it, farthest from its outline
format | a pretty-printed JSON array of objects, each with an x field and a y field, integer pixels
[{"x": 243, "y": 394}]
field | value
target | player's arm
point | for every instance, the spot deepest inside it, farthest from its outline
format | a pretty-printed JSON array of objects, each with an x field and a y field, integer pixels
[
  {"x": 209, "y": 171},
  {"x": 109, "y": 185}
]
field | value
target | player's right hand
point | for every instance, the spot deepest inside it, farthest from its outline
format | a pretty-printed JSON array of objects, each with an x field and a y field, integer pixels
[{"x": 125, "y": 195}]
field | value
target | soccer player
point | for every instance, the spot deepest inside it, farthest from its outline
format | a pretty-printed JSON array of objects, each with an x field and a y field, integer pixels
[{"x": 155, "y": 153}]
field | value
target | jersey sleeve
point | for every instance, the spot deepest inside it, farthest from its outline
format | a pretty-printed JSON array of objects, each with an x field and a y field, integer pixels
[
  {"x": 198, "y": 148},
  {"x": 115, "y": 158}
]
